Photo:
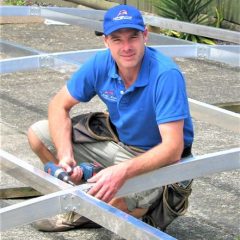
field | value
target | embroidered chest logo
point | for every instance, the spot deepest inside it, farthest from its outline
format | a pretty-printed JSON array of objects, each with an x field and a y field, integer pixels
[
  {"x": 109, "y": 95},
  {"x": 123, "y": 14}
]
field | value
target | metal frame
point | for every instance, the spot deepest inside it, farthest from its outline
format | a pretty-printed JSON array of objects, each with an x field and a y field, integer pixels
[
  {"x": 75, "y": 198},
  {"x": 225, "y": 54},
  {"x": 70, "y": 199},
  {"x": 62, "y": 197}
]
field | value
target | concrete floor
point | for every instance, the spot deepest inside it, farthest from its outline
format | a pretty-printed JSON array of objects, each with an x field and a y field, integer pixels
[{"x": 214, "y": 203}]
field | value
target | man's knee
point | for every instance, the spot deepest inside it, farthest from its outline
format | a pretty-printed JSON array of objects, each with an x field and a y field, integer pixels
[
  {"x": 34, "y": 131},
  {"x": 33, "y": 140},
  {"x": 119, "y": 203}
]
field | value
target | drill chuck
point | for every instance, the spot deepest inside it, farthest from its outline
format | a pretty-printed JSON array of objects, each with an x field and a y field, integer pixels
[{"x": 57, "y": 172}]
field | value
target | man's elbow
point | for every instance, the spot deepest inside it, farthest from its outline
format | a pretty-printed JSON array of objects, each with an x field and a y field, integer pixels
[{"x": 176, "y": 152}]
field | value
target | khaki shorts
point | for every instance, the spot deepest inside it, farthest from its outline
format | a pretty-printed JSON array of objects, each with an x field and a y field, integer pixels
[{"x": 107, "y": 153}]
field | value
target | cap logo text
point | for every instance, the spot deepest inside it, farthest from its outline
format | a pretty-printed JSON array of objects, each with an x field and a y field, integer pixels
[{"x": 123, "y": 14}]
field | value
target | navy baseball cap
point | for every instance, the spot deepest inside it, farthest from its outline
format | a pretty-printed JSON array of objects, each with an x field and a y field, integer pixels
[{"x": 122, "y": 16}]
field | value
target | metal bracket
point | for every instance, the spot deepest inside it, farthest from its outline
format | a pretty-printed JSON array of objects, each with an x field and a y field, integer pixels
[
  {"x": 46, "y": 61},
  {"x": 67, "y": 203},
  {"x": 34, "y": 11},
  {"x": 203, "y": 52}
]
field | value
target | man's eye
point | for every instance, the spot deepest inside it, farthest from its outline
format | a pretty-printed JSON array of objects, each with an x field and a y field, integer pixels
[
  {"x": 116, "y": 40},
  {"x": 135, "y": 36}
]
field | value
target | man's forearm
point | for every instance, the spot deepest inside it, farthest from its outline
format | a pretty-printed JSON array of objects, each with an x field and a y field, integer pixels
[
  {"x": 60, "y": 129},
  {"x": 153, "y": 159}
]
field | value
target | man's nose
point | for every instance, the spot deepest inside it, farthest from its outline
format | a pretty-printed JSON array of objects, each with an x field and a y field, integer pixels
[{"x": 126, "y": 45}]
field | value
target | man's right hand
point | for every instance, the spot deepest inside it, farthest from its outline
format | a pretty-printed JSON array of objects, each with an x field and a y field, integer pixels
[{"x": 75, "y": 172}]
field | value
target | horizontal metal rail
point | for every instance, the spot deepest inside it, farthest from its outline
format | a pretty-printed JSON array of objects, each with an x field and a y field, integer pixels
[
  {"x": 31, "y": 176},
  {"x": 185, "y": 169},
  {"x": 95, "y": 17},
  {"x": 188, "y": 168},
  {"x": 200, "y": 30},
  {"x": 53, "y": 61},
  {"x": 229, "y": 55},
  {"x": 15, "y": 50},
  {"x": 80, "y": 18},
  {"x": 215, "y": 115}
]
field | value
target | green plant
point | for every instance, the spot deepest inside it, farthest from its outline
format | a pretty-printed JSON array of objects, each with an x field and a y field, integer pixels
[
  {"x": 219, "y": 13},
  {"x": 17, "y": 2},
  {"x": 188, "y": 11}
]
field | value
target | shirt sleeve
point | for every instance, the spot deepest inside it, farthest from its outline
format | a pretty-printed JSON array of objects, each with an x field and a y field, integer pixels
[
  {"x": 170, "y": 98},
  {"x": 81, "y": 84}
]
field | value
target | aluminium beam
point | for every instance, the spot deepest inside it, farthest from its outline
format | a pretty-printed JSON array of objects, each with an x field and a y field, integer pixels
[
  {"x": 220, "y": 54},
  {"x": 197, "y": 29},
  {"x": 27, "y": 63},
  {"x": 91, "y": 14},
  {"x": 15, "y": 50},
  {"x": 80, "y": 18},
  {"x": 29, "y": 175},
  {"x": 215, "y": 115},
  {"x": 71, "y": 19},
  {"x": 228, "y": 55},
  {"x": 77, "y": 17},
  {"x": 75, "y": 199},
  {"x": 185, "y": 169}
]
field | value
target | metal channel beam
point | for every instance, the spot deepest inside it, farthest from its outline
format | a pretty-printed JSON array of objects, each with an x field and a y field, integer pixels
[
  {"x": 185, "y": 169},
  {"x": 73, "y": 16},
  {"x": 76, "y": 200},
  {"x": 78, "y": 19},
  {"x": 215, "y": 115},
  {"x": 86, "y": 13},
  {"x": 185, "y": 51},
  {"x": 29, "y": 211},
  {"x": 15, "y": 50},
  {"x": 71, "y": 19},
  {"x": 54, "y": 60},
  {"x": 188, "y": 168},
  {"x": 221, "y": 54},
  {"x": 81, "y": 18},
  {"x": 31, "y": 176},
  {"x": 201, "y": 30},
  {"x": 47, "y": 206},
  {"x": 14, "y": 11},
  {"x": 35, "y": 62}
]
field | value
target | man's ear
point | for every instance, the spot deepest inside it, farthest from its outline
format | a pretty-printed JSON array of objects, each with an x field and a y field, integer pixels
[
  {"x": 145, "y": 35},
  {"x": 105, "y": 41}
]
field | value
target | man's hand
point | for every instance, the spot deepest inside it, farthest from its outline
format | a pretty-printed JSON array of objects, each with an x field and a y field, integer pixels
[
  {"x": 75, "y": 172},
  {"x": 108, "y": 182}
]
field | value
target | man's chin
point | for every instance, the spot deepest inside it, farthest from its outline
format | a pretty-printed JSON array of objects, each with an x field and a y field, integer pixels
[{"x": 129, "y": 64}]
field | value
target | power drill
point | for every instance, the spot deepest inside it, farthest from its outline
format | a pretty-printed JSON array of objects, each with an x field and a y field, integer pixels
[{"x": 89, "y": 169}]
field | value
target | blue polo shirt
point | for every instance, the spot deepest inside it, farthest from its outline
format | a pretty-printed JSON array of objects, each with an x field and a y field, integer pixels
[{"x": 157, "y": 96}]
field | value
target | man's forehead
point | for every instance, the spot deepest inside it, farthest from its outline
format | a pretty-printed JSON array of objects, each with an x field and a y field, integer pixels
[{"x": 125, "y": 30}]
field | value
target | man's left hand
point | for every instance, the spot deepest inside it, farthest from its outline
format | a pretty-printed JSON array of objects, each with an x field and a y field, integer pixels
[{"x": 108, "y": 182}]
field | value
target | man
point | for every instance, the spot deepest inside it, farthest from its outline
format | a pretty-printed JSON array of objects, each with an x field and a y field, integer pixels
[{"x": 145, "y": 95}]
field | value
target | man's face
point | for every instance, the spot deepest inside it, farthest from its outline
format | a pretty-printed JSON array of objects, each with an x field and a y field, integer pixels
[{"x": 127, "y": 47}]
